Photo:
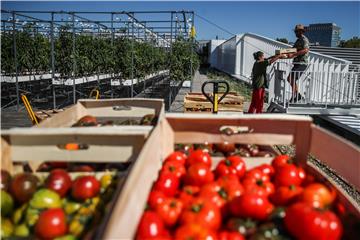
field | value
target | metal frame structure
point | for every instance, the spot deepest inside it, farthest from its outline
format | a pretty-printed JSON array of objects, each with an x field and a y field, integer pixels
[{"x": 161, "y": 28}]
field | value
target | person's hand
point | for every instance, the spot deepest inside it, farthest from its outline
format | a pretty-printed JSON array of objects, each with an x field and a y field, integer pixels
[
  {"x": 290, "y": 55},
  {"x": 283, "y": 56}
]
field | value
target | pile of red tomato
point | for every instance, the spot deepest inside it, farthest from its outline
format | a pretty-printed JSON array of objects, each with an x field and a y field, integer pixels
[{"x": 280, "y": 200}]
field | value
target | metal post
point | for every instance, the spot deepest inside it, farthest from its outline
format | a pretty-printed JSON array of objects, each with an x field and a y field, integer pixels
[
  {"x": 16, "y": 64},
  {"x": 74, "y": 59},
  {"x": 112, "y": 45},
  {"x": 53, "y": 61},
  {"x": 192, "y": 53},
  {"x": 112, "y": 29},
  {"x": 171, "y": 40},
  {"x": 132, "y": 59}
]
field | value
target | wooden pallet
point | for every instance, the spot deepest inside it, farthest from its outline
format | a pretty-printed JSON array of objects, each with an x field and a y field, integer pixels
[{"x": 197, "y": 102}]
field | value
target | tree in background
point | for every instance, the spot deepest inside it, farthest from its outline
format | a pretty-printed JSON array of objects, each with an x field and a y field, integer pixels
[
  {"x": 351, "y": 43},
  {"x": 284, "y": 40}
]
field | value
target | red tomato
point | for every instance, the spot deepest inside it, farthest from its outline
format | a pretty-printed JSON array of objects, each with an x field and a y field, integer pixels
[
  {"x": 169, "y": 211},
  {"x": 280, "y": 161},
  {"x": 150, "y": 225},
  {"x": 257, "y": 175},
  {"x": 187, "y": 194},
  {"x": 285, "y": 195},
  {"x": 221, "y": 192},
  {"x": 287, "y": 175},
  {"x": 318, "y": 195},
  {"x": 51, "y": 224},
  {"x": 194, "y": 231},
  {"x": 259, "y": 187},
  {"x": 302, "y": 173},
  {"x": 225, "y": 235},
  {"x": 176, "y": 156},
  {"x": 155, "y": 198},
  {"x": 85, "y": 187},
  {"x": 199, "y": 174},
  {"x": 266, "y": 169},
  {"x": 87, "y": 120},
  {"x": 225, "y": 147},
  {"x": 167, "y": 183},
  {"x": 174, "y": 167},
  {"x": 251, "y": 205},
  {"x": 199, "y": 156},
  {"x": 305, "y": 222},
  {"x": 203, "y": 212},
  {"x": 231, "y": 165},
  {"x": 58, "y": 181}
]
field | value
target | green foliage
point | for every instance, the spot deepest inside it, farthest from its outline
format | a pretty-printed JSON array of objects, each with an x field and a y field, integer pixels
[
  {"x": 284, "y": 40},
  {"x": 63, "y": 52},
  {"x": 32, "y": 50},
  {"x": 351, "y": 43},
  {"x": 95, "y": 55},
  {"x": 183, "y": 57}
]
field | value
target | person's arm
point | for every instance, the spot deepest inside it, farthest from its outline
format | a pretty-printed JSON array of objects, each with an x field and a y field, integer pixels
[
  {"x": 301, "y": 52},
  {"x": 275, "y": 58}
]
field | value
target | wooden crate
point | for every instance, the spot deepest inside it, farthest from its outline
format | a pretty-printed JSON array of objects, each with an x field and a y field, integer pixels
[
  {"x": 105, "y": 144},
  {"x": 267, "y": 129},
  {"x": 106, "y": 109},
  {"x": 197, "y": 102},
  {"x": 33, "y": 146}
]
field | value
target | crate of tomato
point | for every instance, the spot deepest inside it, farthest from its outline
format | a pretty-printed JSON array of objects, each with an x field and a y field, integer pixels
[
  {"x": 216, "y": 177},
  {"x": 50, "y": 191},
  {"x": 108, "y": 112}
]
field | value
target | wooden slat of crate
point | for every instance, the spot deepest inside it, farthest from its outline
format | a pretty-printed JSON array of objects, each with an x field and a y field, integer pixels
[
  {"x": 104, "y": 109},
  {"x": 195, "y": 128},
  {"x": 105, "y": 144}
]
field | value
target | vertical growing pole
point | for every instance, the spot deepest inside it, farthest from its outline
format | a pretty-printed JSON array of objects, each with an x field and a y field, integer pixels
[
  {"x": 192, "y": 53},
  {"x": 113, "y": 50},
  {"x": 53, "y": 61},
  {"x": 132, "y": 59},
  {"x": 74, "y": 59},
  {"x": 16, "y": 64}
]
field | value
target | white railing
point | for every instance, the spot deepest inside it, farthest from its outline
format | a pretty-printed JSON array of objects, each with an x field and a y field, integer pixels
[
  {"x": 317, "y": 85},
  {"x": 327, "y": 80}
]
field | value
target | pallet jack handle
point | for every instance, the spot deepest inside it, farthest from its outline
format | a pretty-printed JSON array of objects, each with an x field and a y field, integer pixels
[
  {"x": 29, "y": 109},
  {"x": 96, "y": 92},
  {"x": 215, "y": 100}
]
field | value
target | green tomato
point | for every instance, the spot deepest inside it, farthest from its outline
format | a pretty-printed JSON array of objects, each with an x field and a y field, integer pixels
[
  {"x": 21, "y": 230},
  {"x": 66, "y": 237},
  {"x": 31, "y": 216},
  {"x": 7, "y": 204},
  {"x": 7, "y": 228},
  {"x": 19, "y": 213},
  {"x": 45, "y": 198},
  {"x": 71, "y": 207}
]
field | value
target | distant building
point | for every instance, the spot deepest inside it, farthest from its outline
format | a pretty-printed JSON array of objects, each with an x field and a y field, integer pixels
[{"x": 323, "y": 34}]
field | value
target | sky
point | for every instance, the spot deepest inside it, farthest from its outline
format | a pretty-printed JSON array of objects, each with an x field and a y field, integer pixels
[{"x": 270, "y": 19}]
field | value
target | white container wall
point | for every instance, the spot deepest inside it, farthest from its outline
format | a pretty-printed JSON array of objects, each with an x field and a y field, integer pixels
[{"x": 212, "y": 51}]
